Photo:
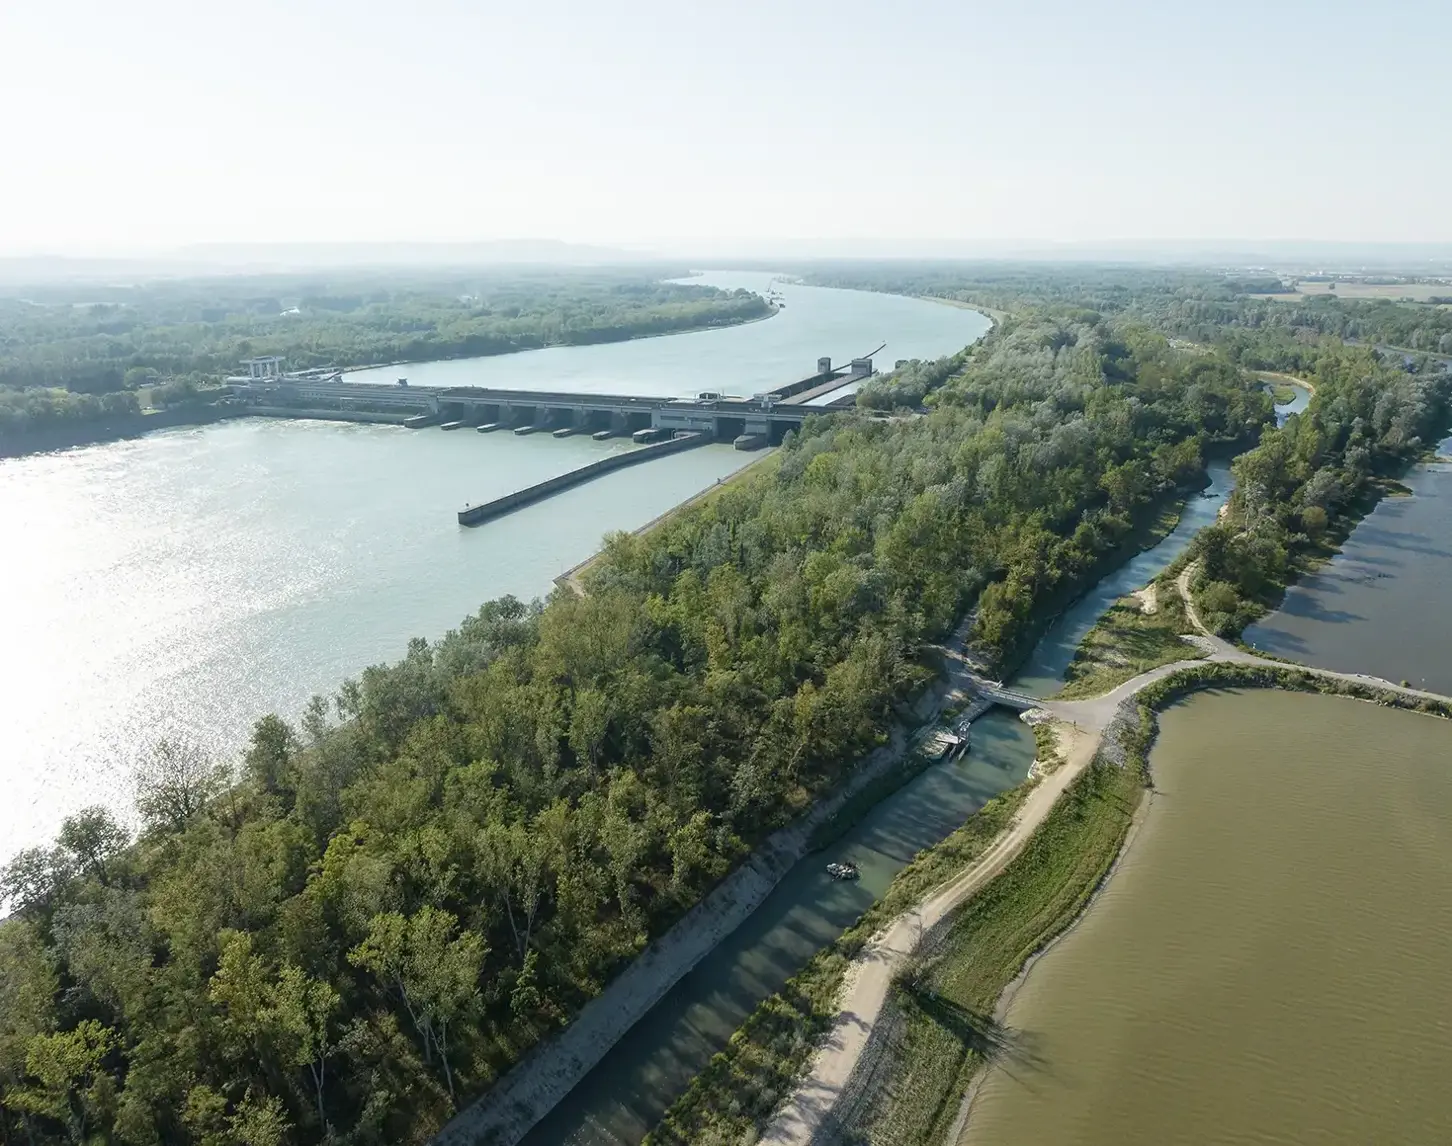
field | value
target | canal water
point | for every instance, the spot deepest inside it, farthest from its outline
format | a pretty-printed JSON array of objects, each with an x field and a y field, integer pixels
[
  {"x": 1268, "y": 966},
  {"x": 618, "y": 1102},
  {"x": 1043, "y": 673},
  {"x": 195, "y": 579},
  {"x": 647, "y": 1070},
  {"x": 1380, "y": 605},
  {"x": 741, "y": 360}
]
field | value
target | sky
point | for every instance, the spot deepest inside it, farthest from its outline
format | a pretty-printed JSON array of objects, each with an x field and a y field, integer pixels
[{"x": 152, "y": 124}]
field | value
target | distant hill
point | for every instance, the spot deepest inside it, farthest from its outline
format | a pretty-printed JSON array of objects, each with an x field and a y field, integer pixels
[
  {"x": 288, "y": 256},
  {"x": 271, "y": 258}
]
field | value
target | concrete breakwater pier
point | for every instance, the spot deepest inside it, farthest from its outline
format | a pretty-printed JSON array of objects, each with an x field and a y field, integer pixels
[
  {"x": 488, "y": 510},
  {"x": 659, "y": 425}
]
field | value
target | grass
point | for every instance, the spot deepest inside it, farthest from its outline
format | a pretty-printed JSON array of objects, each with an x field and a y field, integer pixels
[
  {"x": 1152, "y": 524},
  {"x": 729, "y": 1100},
  {"x": 941, "y": 1012},
  {"x": 1128, "y": 641}
]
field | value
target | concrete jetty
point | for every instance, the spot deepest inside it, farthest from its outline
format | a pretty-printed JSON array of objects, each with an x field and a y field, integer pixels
[{"x": 488, "y": 510}]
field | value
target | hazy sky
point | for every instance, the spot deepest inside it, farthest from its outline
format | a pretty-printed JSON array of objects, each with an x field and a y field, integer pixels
[{"x": 147, "y": 123}]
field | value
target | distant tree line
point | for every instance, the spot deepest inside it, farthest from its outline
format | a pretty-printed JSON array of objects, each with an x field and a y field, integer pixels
[{"x": 101, "y": 340}]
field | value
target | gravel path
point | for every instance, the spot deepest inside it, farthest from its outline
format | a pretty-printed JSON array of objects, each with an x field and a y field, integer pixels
[{"x": 1082, "y": 726}]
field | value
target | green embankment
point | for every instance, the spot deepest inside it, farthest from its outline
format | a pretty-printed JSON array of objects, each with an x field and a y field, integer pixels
[
  {"x": 744, "y": 1083},
  {"x": 1128, "y": 641},
  {"x": 940, "y": 1014}
]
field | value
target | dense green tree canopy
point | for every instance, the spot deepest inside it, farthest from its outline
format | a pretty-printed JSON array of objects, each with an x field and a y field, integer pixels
[
  {"x": 95, "y": 339},
  {"x": 380, "y": 910}
]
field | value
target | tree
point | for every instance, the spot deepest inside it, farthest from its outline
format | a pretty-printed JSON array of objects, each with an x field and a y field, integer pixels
[
  {"x": 433, "y": 973},
  {"x": 270, "y": 757},
  {"x": 32, "y": 878},
  {"x": 67, "y": 1081},
  {"x": 174, "y": 781},
  {"x": 301, "y": 1018},
  {"x": 92, "y": 836}
]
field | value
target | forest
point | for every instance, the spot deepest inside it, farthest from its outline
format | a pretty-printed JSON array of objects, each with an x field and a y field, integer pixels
[
  {"x": 1306, "y": 484},
  {"x": 357, "y": 927},
  {"x": 103, "y": 339},
  {"x": 1197, "y": 305}
]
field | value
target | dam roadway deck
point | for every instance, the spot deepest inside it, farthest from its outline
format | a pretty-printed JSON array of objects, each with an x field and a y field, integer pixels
[{"x": 762, "y": 419}]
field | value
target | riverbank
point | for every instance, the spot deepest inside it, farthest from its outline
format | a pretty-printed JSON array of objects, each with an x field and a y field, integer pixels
[
  {"x": 846, "y": 1083},
  {"x": 547, "y": 1074},
  {"x": 772, "y": 311},
  {"x": 826, "y": 1097},
  {"x": 994, "y": 316},
  {"x": 67, "y": 436},
  {"x": 573, "y": 578}
]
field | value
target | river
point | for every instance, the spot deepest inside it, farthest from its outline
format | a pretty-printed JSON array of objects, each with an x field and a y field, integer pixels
[
  {"x": 739, "y": 360},
  {"x": 191, "y": 580},
  {"x": 1267, "y": 967},
  {"x": 1367, "y": 609}
]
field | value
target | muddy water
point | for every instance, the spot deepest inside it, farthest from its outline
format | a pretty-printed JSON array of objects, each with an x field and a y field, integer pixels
[{"x": 1269, "y": 964}]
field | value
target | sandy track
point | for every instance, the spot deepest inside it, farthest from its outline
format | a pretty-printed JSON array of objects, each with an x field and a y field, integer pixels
[
  {"x": 870, "y": 978},
  {"x": 1081, "y": 727}
]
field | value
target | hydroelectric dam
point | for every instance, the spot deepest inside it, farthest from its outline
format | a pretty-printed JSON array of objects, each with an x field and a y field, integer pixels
[{"x": 657, "y": 425}]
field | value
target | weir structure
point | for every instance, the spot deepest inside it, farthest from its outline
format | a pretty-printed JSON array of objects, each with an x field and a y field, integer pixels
[
  {"x": 750, "y": 423},
  {"x": 658, "y": 425}
]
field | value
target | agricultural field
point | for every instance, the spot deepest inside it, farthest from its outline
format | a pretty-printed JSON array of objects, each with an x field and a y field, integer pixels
[{"x": 1397, "y": 292}]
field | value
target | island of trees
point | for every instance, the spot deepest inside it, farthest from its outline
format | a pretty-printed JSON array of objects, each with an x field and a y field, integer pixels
[{"x": 363, "y": 923}]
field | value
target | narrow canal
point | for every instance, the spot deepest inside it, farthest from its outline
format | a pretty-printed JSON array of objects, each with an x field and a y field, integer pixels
[{"x": 621, "y": 1099}]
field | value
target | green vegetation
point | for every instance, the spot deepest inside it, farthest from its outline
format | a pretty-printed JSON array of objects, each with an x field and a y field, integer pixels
[
  {"x": 1229, "y": 675},
  {"x": 385, "y": 907},
  {"x": 1205, "y": 307},
  {"x": 939, "y": 1019},
  {"x": 1127, "y": 641},
  {"x": 76, "y": 352},
  {"x": 1304, "y": 487},
  {"x": 908, "y": 385},
  {"x": 743, "y": 1084}
]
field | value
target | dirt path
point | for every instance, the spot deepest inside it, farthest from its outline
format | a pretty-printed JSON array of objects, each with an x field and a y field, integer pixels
[
  {"x": 1081, "y": 727},
  {"x": 1288, "y": 379},
  {"x": 1215, "y": 644},
  {"x": 870, "y": 977}
]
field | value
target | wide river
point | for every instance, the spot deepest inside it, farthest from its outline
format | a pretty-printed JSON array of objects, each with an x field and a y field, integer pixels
[
  {"x": 1268, "y": 966},
  {"x": 194, "y": 579}
]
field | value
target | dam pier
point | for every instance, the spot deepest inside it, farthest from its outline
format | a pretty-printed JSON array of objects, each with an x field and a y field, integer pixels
[{"x": 659, "y": 425}]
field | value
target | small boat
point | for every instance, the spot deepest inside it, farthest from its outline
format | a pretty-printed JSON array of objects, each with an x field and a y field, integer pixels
[{"x": 842, "y": 870}]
